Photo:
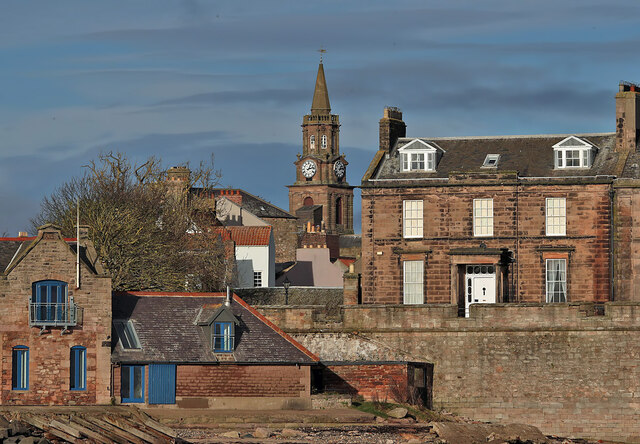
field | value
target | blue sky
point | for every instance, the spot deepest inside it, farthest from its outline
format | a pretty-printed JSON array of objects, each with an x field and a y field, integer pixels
[{"x": 182, "y": 80}]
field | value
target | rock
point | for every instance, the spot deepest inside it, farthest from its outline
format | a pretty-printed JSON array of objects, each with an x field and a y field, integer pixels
[
  {"x": 380, "y": 419},
  {"x": 14, "y": 439},
  {"x": 261, "y": 433},
  {"x": 414, "y": 441},
  {"x": 18, "y": 428},
  {"x": 4, "y": 433},
  {"x": 457, "y": 433},
  {"x": 4, "y": 423},
  {"x": 289, "y": 433},
  {"x": 30, "y": 440},
  {"x": 231, "y": 434},
  {"x": 398, "y": 412},
  {"x": 43, "y": 441}
]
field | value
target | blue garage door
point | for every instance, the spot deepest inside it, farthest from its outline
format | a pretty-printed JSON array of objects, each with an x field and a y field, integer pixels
[{"x": 162, "y": 384}]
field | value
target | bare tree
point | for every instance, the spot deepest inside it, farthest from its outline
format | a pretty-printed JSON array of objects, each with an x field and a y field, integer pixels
[{"x": 150, "y": 234}]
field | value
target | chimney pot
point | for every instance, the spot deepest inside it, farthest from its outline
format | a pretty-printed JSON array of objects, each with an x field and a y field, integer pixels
[{"x": 22, "y": 234}]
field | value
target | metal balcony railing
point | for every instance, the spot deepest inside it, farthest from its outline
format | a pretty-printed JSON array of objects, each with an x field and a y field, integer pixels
[{"x": 53, "y": 315}]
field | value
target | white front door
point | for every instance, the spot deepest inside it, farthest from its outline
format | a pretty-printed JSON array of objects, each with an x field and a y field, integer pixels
[{"x": 480, "y": 285}]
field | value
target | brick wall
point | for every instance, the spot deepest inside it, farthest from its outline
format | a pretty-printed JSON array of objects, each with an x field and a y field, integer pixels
[
  {"x": 518, "y": 227},
  {"x": 243, "y": 380},
  {"x": 560, "y": 367},
  {"x": 49, "y": 351}
]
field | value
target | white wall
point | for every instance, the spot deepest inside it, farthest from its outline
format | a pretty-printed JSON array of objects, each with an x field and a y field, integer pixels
[{"x": 255, "y": 258}]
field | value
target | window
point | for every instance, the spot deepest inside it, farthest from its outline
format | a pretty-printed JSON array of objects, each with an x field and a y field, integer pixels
[
  {"x": 132, "y": 383},
  {"x": 483, "y": 217},
  {"x": 312, "y": 142},
  {"x": 556, "y": 280},
  {"x": 20, "y": 368},
  {"x": 223, "y": 337},
  {"x": 573, "y": 152},
  {"x": 412, "y": 218},
  {"x": 422, "y": 161},
  {"x": 78, "y": 368},
  {"x": 491, "y": 161},
  {"x": 413, "y": 282},
  {"x": 323, "y": 142},
  {"x": 556, "y": 216},
  {"x": 49, "y": 304},
  {"x": 126, "y": 334},
  {"x": 257, "y": 278}
]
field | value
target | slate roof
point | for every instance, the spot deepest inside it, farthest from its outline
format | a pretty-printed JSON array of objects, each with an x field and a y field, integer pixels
[
  {"x": 166, "y": 325},
  {"x": 254, "y": 204},
  {"x": 529, "y": 156},
  {"x": 245, "y": 236}
]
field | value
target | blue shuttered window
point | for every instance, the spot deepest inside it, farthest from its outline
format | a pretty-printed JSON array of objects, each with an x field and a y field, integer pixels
[
  {"x": 78, "y": 368},
  {"x": 20, "y": 368},
  {"x": 162, "y": 384}
]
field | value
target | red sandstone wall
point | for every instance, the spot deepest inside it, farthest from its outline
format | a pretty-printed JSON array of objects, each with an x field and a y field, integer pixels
[
  {"x": 519, "y": 225},
  {"x": 379, "y": 382}
]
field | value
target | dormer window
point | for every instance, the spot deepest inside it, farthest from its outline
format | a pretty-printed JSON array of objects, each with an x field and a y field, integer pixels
[
  {"x": 491, "y": 161},
  {"x": 312, "y": 142},
  {"x": 418, "y": 156},
  {"x": 223, "y": 337},
  {"x": 573, "y": 152}
]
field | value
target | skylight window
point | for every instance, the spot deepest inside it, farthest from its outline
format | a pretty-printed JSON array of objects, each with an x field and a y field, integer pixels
[
  {"x": 491, "y": 161},
  {"x": 127, "y": 334}
]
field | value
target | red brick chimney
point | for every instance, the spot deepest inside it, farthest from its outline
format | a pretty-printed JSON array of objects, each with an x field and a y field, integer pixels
[
  {"x": 627, "y": 117},
  {"x": 232, "y": 195},
  {"x": 391, "y": 128}
]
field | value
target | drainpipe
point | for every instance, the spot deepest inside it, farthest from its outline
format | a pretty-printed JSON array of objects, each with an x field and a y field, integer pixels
[{"x": 612, "y": 244}]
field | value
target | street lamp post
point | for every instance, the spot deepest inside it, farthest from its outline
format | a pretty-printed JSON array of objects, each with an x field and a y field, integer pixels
[{"x": 286, "y": 283}]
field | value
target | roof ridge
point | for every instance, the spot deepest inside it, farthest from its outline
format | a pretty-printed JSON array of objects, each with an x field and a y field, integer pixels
[{"x": 513, "y": 136}]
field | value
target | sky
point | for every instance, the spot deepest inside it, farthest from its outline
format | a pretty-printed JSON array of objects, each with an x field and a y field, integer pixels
[{"x": 184, "y": 79}]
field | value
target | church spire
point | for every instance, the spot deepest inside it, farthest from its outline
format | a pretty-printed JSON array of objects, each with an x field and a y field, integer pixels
[{"x": 320, "y": 104}]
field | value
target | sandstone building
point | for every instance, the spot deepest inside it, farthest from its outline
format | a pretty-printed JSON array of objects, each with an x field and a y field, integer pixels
[{"x": 464, "y": 220}]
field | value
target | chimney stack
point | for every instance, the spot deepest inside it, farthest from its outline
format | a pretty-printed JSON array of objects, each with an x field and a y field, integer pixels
[
  {"x": 23, "y": 234},
  {"x": 627, "y": 117},
  {"x": 391, "y": 128}
]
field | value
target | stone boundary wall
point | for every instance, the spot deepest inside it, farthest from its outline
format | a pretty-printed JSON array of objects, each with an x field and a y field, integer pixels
[{"x": 566, "y": 368}]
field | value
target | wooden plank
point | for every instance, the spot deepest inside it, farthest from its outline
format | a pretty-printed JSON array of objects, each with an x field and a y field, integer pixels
[
  {"x": 42, "y": 424},
  {"x": 91, "y": 434},
  {"x": 131, "y": 428},
  {"x": 152, "y": 423},
  {"x": 112, "y": 436},
  {"x": 66, "y": 428},
  {"x": 115, "y": 430}
]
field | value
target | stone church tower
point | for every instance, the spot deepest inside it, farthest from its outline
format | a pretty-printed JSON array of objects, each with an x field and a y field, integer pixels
[{"x": 321, "y": 194}]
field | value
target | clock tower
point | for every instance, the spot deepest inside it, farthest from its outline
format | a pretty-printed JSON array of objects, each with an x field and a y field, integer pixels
[{"x": 321, "y": 189}]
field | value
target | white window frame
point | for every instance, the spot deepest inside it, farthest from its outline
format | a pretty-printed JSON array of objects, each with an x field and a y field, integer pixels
[
  {"x": 573, "y": 149},
  {"x": 312, "y": 142},
  {"x": 555, "y": 285},
  {"x": 257, "y": 278},
  {"x": 413, "y": 282},
  {"x": 412, "y": 219},
  {"x": 422, "y": 158},
  {"x": 555, "y": 221},
  {"x": 323, "y": 142},
  {"x": 483, "y": 217}
]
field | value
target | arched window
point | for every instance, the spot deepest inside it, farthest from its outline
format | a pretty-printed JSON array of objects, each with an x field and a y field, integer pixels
[
  {"x": 312, "y": 142},
  {"x": 339, "y": 211},
  {"x": 323, "y": 142},
  {"x": 49, "y": 302},
  {"x": 308, "y": 201},
  {"x": 20, "y": 368},
  {"x": 78, "y": 368}
]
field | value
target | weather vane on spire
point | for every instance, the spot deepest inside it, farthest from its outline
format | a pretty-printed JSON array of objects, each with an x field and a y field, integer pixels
[{"x": 321, "y": 51}]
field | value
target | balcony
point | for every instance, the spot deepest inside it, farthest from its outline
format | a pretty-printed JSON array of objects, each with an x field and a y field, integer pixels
[{"x": 53, "y": 315}]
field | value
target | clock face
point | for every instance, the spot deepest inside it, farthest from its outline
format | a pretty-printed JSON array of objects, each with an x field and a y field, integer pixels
[
  {"x": 308, "y": 169},
  {"x": 339, "y": 169}
]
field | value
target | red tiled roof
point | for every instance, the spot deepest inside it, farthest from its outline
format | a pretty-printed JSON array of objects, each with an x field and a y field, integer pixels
[
  {"x": 346, "y": 260},
  {"x": 245, "y": 235}
]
